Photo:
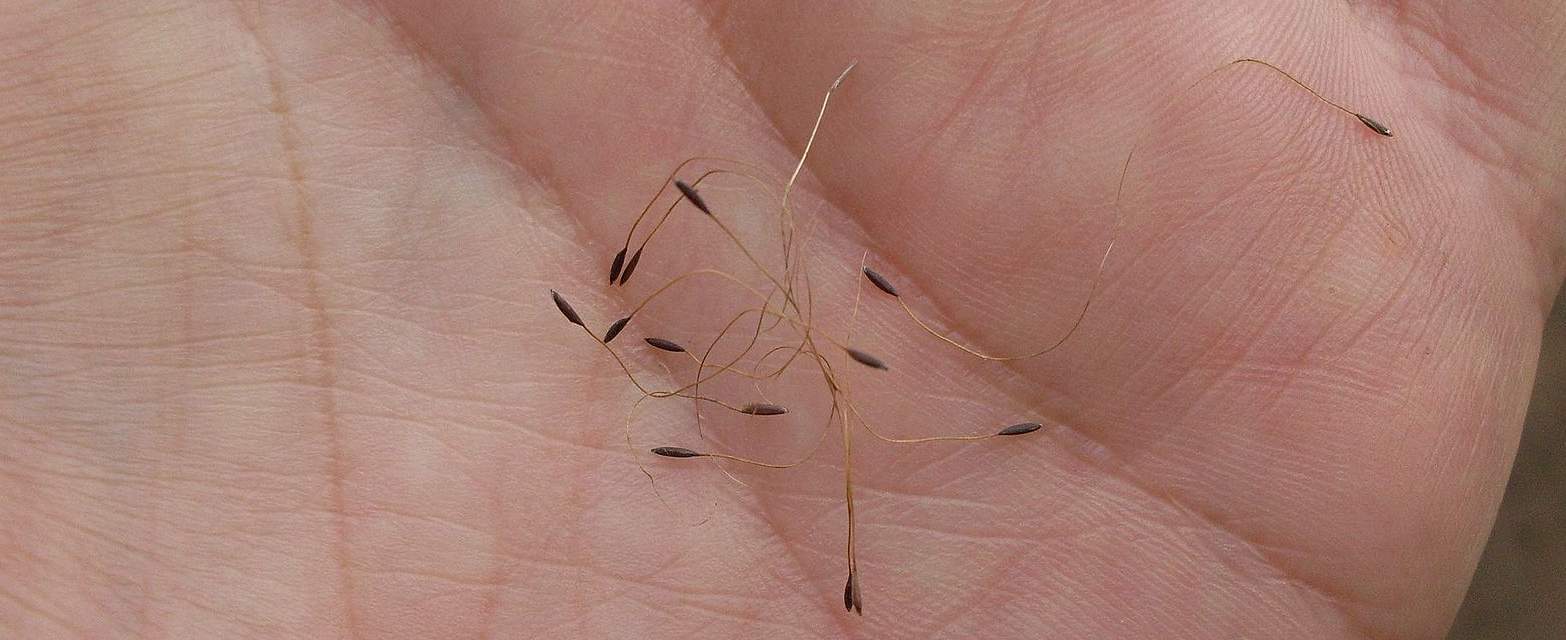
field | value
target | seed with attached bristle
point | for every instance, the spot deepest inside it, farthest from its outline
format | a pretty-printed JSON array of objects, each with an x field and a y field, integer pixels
[
  {"x": 1374, "y": 126},
  {"x": 666, "y": 345},
  {"x": 565, "y": 309},
  {"x": 690, "y": 194},
  {"x": 614, "y": 269},
  {"x": 763, "y": 409},
  {"x": 625, "y": 276},
  {"x": 676, "y": 452},
  {"x": 1019, "y": 429},
  {"x": 614, "y": 329},
  {"x": 880, "y": 282},
  {"x": 866, "y": 359},
  {"x": 851, "y": 600}
]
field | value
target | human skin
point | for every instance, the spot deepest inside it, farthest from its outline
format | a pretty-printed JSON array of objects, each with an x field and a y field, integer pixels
[{"x": 279, "y": 358}]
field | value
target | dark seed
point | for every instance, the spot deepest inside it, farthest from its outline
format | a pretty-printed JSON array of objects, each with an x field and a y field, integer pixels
[
  {"x": 614, "y": 269},
  {"x": 614, "y": 329},
  {"x": 1374, "y": 126},
  {"x": 866, "y": 359},
  {"x": 666, "y": 345},
  {"x": 625, "y": 276},
  {"x": 676, "y": 452},
  {"x": 762, "y": 409},
  {"x": 695, "y": 198},
  {"x": 880, "y": 282},
  {"x": 1019, "y": 429},
  {"x": 851, "y": 600},
  {"x": 566, "y": 310}
]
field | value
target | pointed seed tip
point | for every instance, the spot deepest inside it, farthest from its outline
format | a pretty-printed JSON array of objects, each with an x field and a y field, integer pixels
[
  {"x": 690, "y": 194},
  {"x": 848, "y": 594},
  {"x": 866, "y": 359},
  {"x": 614, "y": 329},
  {"x": 565, "y": 308},
  {"x": 614, "y": 268},
  {"x": 1374, "y": 125},
  {"x": 630, "y": 267},
  {"x": 675, "y": 452},
  {"x": 1019, "y": 429},
  {"x": 763, "y": 409},
  {"x": 666, "y": 345},
  {"x": 880, "y": 282}
]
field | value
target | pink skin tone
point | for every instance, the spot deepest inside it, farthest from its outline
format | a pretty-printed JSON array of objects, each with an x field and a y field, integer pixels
[{"x": 280, "y": 361}]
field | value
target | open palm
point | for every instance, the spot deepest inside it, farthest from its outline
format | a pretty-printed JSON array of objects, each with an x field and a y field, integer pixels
[{"x": 279, "y": 358}]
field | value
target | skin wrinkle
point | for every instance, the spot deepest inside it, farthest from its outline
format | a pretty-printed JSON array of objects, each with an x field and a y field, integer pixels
[
  {"x": 1402, "y": 292},
  {"x": 980, "y": 77},
  {"x": 1391, "y": 300},
  {"x": 323, "y": 349},
  {"x": 1512, "y": 110},
  {"x": 43, "y": 612},
  {"x": 63, "y": 232},
  {"x": 501, "y": 573},
  {"x": 1219, "y": 339},
  {"x": 1270, "y": 320},
  {"x": 1436, "y": 62},
  {"x": 95, "y": 534},
  {"x": 1137, "y": 254},
  {"x": 429, "y": 61},
  {"x": 43, "y": 49}
]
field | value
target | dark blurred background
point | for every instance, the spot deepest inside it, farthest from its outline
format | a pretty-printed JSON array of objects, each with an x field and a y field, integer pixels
[{"x": 1519, "y": 592}]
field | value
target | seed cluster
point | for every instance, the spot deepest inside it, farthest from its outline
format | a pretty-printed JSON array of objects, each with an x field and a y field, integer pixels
[{"x": 784, "y": 303}]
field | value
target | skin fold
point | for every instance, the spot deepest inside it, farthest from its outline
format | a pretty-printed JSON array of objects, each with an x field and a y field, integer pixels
[{"x": 278, "y": 359}]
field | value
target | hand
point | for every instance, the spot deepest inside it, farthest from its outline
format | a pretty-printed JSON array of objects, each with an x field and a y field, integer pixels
[{"x": 280, "y": 359}]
